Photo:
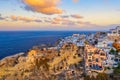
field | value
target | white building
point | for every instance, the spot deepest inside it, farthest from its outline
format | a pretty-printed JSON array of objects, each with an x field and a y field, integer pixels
[
  {"x": 110, "y": 62},
  {"x": 114, "y": 32},
  {"x": 102, "y": 44}
]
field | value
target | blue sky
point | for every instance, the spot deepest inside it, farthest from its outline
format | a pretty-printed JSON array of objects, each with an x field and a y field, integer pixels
[{"x": 80, "y": 15}]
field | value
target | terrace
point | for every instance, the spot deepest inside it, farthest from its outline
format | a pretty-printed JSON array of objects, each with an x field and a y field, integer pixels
[{"x": 96, "y": 67}]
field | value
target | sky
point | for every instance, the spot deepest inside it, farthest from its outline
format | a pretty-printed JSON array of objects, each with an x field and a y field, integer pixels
[{"x": 59, "y": 14}]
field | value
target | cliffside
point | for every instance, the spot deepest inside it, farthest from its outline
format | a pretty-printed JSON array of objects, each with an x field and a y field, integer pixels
[{"x": 44, "y": 64}]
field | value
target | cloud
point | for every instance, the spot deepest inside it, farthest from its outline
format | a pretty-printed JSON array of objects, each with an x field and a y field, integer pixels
[
  {"x": 75, "y": 1},
  {"x": 1, "y": 18},
  {"x": 64, "y": 16},
  {"x": 43, "y": 6},
  {"x": 37, "y": 20},
  {"x": 14, "y": 18},
  {"x": 68, "y": 22},
  {"x": 85, "y": 23},
  {"x": 47, "y": 21},
  {"x": 25, "y": 19},
  {"x": 62, "y": 21},
  {"x": 58, "y": 19},
  {"x": 77, "y": 16},
  {"x": 55, "y": 22}
]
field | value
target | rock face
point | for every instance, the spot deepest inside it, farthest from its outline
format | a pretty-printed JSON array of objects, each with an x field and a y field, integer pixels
[
  {"x": 44, "y": 64},
  {"x": 68, "y": 55},
  {"x": 11, "y": 60}
]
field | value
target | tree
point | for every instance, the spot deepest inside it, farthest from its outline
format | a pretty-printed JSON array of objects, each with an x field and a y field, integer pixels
[
  {"x": 117, "y": 69},
  {"x": 112, "y": 51}
]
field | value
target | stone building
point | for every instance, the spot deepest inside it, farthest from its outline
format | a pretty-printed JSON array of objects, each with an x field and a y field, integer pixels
[{"x": 94, "y": 58}]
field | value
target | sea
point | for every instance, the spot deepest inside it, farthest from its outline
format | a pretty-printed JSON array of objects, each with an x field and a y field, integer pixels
[{"x": 14, "y": 42}]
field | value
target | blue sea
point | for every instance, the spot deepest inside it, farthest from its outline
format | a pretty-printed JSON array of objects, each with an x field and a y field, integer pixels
[{"x": 13, "y": 42}]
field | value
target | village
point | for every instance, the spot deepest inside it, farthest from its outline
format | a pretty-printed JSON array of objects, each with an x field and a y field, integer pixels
[
  {"x": 76, "y": 57},
  {"x": 97, "y": 53},
  {"x": 101, "y": 50}
]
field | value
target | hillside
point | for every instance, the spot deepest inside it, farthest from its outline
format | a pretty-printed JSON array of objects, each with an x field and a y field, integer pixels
[{"x": 44, "y": 64}]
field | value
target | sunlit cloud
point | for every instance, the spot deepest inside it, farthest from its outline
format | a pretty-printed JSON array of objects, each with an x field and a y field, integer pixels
[
  {"x": 14, "y": 18},
  {"x": 25, "y": 19},
  {"x": 77, "y": 16},
  {"x": 86, "y": 23},
  {"x": 47, "y": 21},
  {"x": 43, "y": 6},
  {"x": 64, "y": 16},
  {"x": 58, "y": 19},
  {"x": 70, "y": 22}
]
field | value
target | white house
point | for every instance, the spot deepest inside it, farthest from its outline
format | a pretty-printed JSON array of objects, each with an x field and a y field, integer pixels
[
  {"x": 114, "y": 32},
  {"x": 110, "y": 62}
]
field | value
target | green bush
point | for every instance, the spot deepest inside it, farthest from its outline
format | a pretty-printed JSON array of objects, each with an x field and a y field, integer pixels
[{"x": 117, "y": 69}]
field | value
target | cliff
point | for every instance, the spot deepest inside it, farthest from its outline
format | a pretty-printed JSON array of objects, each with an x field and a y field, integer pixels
[{"x": 44, "y": 64}]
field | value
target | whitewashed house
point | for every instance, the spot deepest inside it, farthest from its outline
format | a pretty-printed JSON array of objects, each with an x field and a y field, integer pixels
[{"x": 114, "y": 32}]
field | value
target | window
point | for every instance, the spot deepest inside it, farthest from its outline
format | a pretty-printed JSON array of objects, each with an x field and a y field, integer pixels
[
  {"x": 89, "y": 60},
  {"x": 74, "y": 57},
  {"x": 97, "y": 60},
  {"x": 61, "y": 67},
  {"x": 79, "y": 55},
  {"x": 112, "y": 58},
  {"x": 118, "y": 31}
]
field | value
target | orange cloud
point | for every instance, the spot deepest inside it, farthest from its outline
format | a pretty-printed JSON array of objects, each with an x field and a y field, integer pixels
[
  {"x": 26, "y": 19},
  {"x": 55, "y": 22},
  {"x": 43, "y": 6},
  {"x": 14, "y": 18},
  {"x": 62, "y": 20},
  {"x": 58, "y": 19},
  {"x": 76, "y": 16},
  {"x": 66, "y": 21}
]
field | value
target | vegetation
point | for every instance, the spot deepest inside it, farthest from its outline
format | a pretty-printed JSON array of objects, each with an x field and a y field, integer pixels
[
  {"x": 86, "y": 42},
  {"x": 117, "y": 69},
  {"x": 100, "y": 76},
  {"x": 112, "y": 51}
]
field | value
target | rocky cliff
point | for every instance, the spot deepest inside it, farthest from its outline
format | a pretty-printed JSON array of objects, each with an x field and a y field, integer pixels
[{"x": 44, "y": 64}]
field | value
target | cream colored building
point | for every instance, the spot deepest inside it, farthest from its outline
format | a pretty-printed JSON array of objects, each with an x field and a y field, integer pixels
[{"x": 94, "y": 58}]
